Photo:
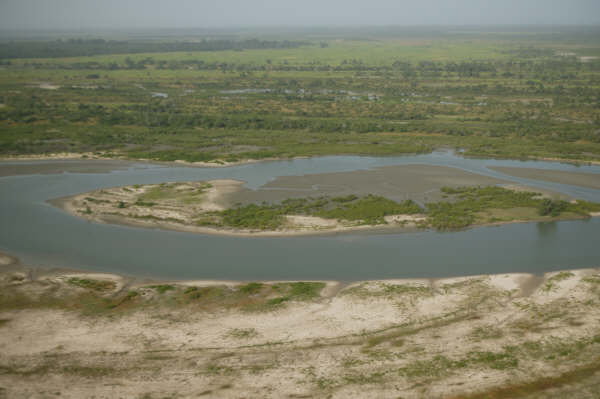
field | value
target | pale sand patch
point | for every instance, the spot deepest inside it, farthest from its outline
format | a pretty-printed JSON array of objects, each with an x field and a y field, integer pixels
[
  {"x": 51, "y": 330},
  {"x": 405, "y": 219},
  {"x": 311, "y": 222},
  {"x": 220, "y": 189},
  {"x": 6, "y": 260},
  {"x": 565, "y": 287},
  {"x": 48, "y": 86},
  {"x": 508, "y": 282}
]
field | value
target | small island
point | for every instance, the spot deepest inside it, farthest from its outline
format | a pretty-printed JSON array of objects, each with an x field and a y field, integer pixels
[{"x": 203, "y": 207}]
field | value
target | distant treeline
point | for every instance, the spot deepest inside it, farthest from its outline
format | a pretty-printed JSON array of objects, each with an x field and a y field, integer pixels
[{"x": 89, "y": 47}]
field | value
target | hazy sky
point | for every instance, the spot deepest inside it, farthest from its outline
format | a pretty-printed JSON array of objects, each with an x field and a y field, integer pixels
[{"x": 82, "y": 14}]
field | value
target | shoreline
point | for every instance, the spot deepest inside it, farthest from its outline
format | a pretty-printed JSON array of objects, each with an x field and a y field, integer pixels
[
  {"x": 62, "y": 203},
  {"x": 62, "y": 331},
  {"x": 316, "y": 226},
  {"x": 11, "y": 263},
  {"x": 88, "y": 156},
  {"x": 219, "y": 189},
  {"x": 219, "y": 163}
]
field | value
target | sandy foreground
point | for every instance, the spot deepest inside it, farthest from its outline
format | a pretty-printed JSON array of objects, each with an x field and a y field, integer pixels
[{"x": 503, "y": 336}]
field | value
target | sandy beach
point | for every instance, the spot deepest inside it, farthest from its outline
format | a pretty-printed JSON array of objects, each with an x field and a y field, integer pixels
[{"x": 62, "y": 332}]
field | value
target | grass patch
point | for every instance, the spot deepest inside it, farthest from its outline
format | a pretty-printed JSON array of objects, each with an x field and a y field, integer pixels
[
  {"x": 251, "y": 288},
  {"x": 162, "y": 288},
  {"x": 243, "y": 333},
  {"x": 537, "y": 386},
  {"x": 470, "y": 205},
  {"x": 486, "y": 332},
  {"x": 95, "y": 285},
  {"x": 287, "y": 292},
  {"x": 369, "y": 209},
  {"x": 551, "y": 282}
]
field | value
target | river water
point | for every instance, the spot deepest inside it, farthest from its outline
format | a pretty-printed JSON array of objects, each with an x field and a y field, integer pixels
[{"x": 42, "y": 235}]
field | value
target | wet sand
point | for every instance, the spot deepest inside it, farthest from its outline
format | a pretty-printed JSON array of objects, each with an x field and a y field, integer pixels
[
  {"x": 421, "y": 183},
  {"x": 590, "y": 180}
]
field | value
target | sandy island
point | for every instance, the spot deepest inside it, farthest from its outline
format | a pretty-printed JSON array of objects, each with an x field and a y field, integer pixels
[
  {"x": 78, "y": 334},
  {"x": 103, "y": 206},
  {"x": 186, "y": 206}
]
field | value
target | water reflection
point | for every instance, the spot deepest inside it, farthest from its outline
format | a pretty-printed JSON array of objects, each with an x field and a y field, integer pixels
[{"x": 546, "y": 229}]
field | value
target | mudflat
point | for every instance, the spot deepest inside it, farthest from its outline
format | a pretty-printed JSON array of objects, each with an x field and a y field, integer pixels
[
  {"x": 390, "y": 198},
  {"x": 590, "y": 180},
  {"x": 420, "y": 183}
]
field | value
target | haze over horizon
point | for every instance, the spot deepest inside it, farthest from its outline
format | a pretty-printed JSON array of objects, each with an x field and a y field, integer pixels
[{"x": 133, "y": 14}]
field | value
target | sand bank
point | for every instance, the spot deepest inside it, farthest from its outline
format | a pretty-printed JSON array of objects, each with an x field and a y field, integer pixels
[{"x": 372, "y": 339}]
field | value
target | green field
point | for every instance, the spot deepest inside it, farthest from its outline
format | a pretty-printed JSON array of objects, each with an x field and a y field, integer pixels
[{"x": 504, "y": 94}]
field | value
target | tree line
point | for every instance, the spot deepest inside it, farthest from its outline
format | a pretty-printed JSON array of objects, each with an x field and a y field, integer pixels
[{"x": 90, "y": 47}]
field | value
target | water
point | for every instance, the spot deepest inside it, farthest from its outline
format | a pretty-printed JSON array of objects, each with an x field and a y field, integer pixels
[{"x": 42, "y": 235}]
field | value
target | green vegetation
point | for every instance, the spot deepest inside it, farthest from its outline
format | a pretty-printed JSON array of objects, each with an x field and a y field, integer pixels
[
  {"x": 173, "y": 193},
  {"x": 470, "y": 205},
  {"x": 551, "y": 281},
  {"x": 388, "y": 290},
  {"x": 262, "y": 217},
  {"x": 440, "y": 365},
  {"x": 95, "y": 285},
  {"x": 162, "y": 288},
  {"x": 367, "y": 210},
  {"x": 243, "y": 333},
  {"x": 540, "y": 385},
  {"x": 252, "y": 297},
  {"x": 380, "y": 92},
  {"x": 459, "y": 208},
  {"x": 251, "y": 288}
]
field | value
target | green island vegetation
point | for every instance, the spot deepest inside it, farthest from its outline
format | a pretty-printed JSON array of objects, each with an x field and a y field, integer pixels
[
  {"x": 367, "y": 210},
  {"x": 463, "y": 207},
  {"x": 460, "y": 207},
  {"x": 476, "y": 205},
  {"x": 378, "y": 92}
]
